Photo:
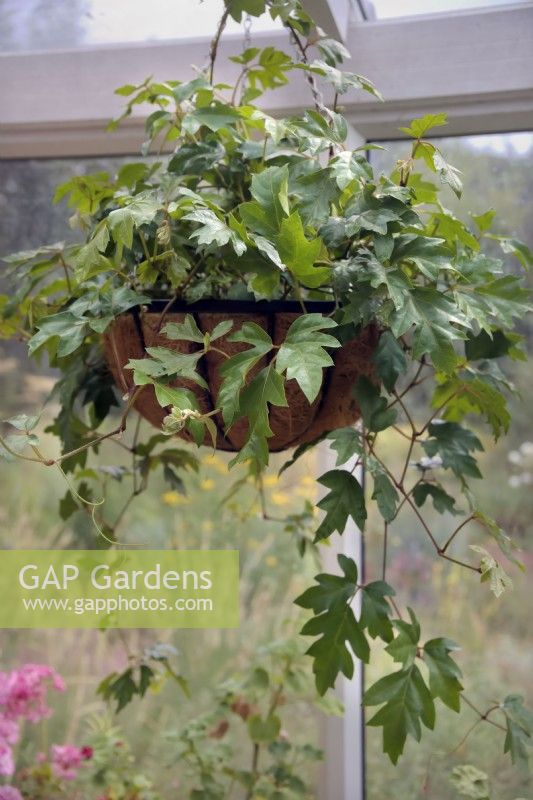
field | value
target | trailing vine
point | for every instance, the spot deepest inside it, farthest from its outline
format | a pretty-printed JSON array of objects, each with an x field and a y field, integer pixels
[{"x": 252, "y": 207}]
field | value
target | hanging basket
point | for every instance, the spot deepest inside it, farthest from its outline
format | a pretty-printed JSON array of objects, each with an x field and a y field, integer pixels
[{"x": 300, "y": 422}]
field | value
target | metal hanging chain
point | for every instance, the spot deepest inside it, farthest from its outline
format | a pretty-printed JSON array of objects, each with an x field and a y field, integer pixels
[
  {"x": 318, "y": 97},
  {"x": 247, "y": 41}
]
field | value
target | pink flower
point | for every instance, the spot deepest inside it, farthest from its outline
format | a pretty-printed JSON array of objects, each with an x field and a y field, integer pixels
[
  {"x": 23, "y": 691},
  {"x": 10, "y": 793},
  {"x": 9, "y": 734},
  {"x": 9, "y": 730},
  {"x": 7, "y": 765},
  {"x": 66, "y": 760}
]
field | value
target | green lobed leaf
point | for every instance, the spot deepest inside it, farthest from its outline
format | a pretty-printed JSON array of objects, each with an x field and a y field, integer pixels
[
  {"x": 64, "y": 331},
  {"x": 315, "y": 192},
  {"x": 263, "y": 731},
  {"x": 492, "y": 571},
  {"x": 24, "y": 422},
  {"x": 299, "y": 254},
  {"x": 493, "y": 344},
  {"x": 265, "y": 388},
  {"x": 519, "y": 723},
  {"x": 503, "y": 541},
  {"x": 385, "y": 495},
  {"x": 390, "y": 360},
  {"x": 444, "y": 674},
  {"x": 395, "y": 282},
  {"x": 166, "y": 363},
  {"x": 302, "y": 355},
  {"x": 406, "y": 705},
  {"x": 516, "y": 248},
  {"x": 187, "y": 330},
  {"x": 376, "y": 415},
  {"x": 345, "y": 500},
  {"x": 215, "y": 117},
  {"x": 177, "y": 398},
  {"x": 270, "y": 190},
  {"x": 419, "y": 127},
  {"x": 341, "y": 81},
  {"x": 348, "y": 166},
  {"x": 332, "y": 591},
  {"x": 16, "y": 443},
  {"x": 256, "y": 218},
  {"x": 442, "y": 501},
  {"x": 330, "y": 653},
  {"x": 234, "y": 370},
  {"x": 376, "y": 611},
  {"x": 121, "y": 225},
  {"x": 427, "y": 253},
  {"x": 213, "y": 230},
  {"x": 448, "y": 174},
  {"x": 335, "y": 623},
  {"x": 347, "y": 444},
  {"x": 437, "y": 324},
  {"x": 404, "y": 647},
  {"x": 473, "y": 394},
  {"x": 454, "y": 444}
]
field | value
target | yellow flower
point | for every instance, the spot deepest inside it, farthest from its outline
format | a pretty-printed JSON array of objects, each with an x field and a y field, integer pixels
[
  {"x": 280, "y": 498},
  {"x": 271, "y": 561},
  {"x": 207, "y": 484},
  {"x": 216, "y": 463},
  {"x": 174, "y": 499},
  {"x": 270, "y": 480},
  {"x": 308, "y": 492}
]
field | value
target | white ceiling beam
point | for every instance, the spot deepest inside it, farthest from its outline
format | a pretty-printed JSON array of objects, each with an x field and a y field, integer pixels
[
  {"x": 477, "y": 66},
  {"x": 60, "y": 102},
  {"x": 332, "y": 16}
]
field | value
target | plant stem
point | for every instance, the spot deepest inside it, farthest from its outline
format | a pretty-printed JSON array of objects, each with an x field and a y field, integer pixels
[
  {"x": 484, "y": 715},
  {"x": 65, "y": 270},
  {"x": 437, "y": 412},
  {"x": 11, "y": 452},
  {"x": 145, "y": 246},
  {"x": 385, "y": 544},
  {"x": 255, "y": 767},
  {"x": 215, "y": 42},
  {"x": 465, "y": 737},
  {"x": 456, "y": 531},
  {"x": 322, "y": 110},
  {"x": 407, "y": 498}
]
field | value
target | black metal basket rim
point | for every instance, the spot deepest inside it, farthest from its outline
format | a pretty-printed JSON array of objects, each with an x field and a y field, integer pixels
[{"x": 243, "y": 306}]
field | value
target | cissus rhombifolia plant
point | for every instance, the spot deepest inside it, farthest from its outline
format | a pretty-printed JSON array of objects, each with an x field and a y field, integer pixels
[{"x": 253, "y": 207}]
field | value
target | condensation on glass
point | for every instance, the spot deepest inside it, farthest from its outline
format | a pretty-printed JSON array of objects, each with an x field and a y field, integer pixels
[{"x": 43, "y": 25}]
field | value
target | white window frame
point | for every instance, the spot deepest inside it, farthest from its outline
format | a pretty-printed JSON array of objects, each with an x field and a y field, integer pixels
[{"x": 474, "y": 65}]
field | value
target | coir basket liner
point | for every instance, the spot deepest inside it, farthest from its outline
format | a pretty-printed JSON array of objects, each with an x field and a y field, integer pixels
[{"x": 300, "y": 422}]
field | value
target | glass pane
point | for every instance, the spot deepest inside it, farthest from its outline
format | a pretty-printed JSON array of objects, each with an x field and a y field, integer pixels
[
  {"x": 496, "y": 635},
  {"x": 189, "y": 516},
  {"x": 386, "y": 9},
  {"x": 29, "y": 218},
  {"x": 33, "y": 25}
]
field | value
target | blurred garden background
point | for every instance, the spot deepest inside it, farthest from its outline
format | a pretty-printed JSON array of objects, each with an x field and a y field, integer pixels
[{"x": 498, "y": 173}]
